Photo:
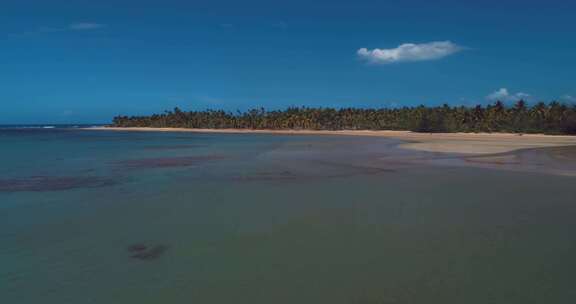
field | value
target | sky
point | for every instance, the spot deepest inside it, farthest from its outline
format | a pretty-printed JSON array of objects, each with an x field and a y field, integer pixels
[{"x": 87, "y": 61}]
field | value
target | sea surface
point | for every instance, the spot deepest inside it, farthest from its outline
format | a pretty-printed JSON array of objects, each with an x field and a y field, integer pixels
[{"x": 142, "y": 217}]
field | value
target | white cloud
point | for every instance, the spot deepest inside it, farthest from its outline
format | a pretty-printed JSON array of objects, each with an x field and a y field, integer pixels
[
  {"x": 83, "y": 26},
  {"x": 505, "y": 96},
  {"x": 410, "y": 52},
  {"x": 568, "y": 98},
  {"x": 46, "y": 29},
  {"x": 499, "y": 95},
  {"x": 281, "y": 25}
]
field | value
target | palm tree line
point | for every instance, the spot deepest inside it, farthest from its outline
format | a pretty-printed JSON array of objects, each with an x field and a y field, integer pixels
[{"x": 547, "y": 118}]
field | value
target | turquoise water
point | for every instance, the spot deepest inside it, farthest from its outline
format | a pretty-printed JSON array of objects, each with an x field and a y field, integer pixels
[{"x": 114, "y": 217}]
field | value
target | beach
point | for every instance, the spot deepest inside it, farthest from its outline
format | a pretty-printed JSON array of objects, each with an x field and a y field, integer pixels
[{"x": 465, "y": 143}]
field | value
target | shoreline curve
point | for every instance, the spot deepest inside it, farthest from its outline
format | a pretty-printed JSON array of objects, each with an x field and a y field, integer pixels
[{"x": 462, "y": 143}]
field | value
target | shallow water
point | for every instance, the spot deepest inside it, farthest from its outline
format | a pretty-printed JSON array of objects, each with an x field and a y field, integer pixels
[{"x": 113, "y": 217}]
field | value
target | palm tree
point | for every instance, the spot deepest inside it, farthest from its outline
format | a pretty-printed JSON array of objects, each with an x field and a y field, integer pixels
[{"x": 552, "y": 118}]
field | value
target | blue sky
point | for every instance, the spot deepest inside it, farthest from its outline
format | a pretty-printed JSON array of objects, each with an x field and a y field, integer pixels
[{"x": 86, "y": 61}]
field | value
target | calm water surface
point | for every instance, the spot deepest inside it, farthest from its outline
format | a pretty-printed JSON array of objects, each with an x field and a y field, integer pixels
[{"x": 113, "y": 217}]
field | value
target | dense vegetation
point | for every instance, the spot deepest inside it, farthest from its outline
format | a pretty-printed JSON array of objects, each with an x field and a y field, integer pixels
[{"x": 552, "y": 118}]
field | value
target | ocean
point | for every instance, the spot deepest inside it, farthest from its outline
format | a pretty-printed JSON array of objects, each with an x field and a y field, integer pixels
[{"x": 144, "y": 217}]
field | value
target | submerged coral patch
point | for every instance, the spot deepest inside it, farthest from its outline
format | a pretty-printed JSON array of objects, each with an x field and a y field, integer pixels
[
  {"x": 137, "y": 247},
  {"x": 173, "y": 147},
  {"x": 166, "y": 162},
  {"x": 268, "y": 176},
  {"x": 335, "y": 170},
  {"x": 53, "y": 183},
  {"x": 146, "y": 252}
]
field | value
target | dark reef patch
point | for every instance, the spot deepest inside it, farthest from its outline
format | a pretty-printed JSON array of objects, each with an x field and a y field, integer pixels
[
  {"x": 173, "y": 147},
  {"x": 268, "y": 176},
  {"x": 137, "y": 247},
  {"x": 167, "y": 162},
  {"x": 337, "y": 170},
  {"x": 146, "y": 252},
  {"x": 355, "y": 169},
  {"x": 53, "y": 183}
]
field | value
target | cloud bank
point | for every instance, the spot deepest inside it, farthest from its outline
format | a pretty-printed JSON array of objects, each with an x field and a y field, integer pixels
[
  {"x": 84, "y": 26},
  {"x": 505, "y": 96},
  {"x": 568, "y": 98},
  {"x": 410, "y": 52},
  {"x": 73, "y": 27}
]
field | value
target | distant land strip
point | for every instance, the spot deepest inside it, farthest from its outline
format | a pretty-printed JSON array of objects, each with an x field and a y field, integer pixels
[
  {"x": 551, "y": 118},
  {"x": 494, "y": 128}
]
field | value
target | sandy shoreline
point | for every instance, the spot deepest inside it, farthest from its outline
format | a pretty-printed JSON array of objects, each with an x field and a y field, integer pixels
[{"x": 466, "y": 143}]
